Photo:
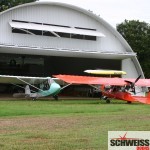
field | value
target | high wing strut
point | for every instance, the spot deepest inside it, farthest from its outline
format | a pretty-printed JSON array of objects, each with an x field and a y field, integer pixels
[
  {"x": 66, "y": 86},
  {"x": 94, "y": 87},
  {"x": 30, "y": 84},
  {"x": 22, "y": 87}
]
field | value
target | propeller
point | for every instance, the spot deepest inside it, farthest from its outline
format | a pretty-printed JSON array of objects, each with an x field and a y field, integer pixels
[{"x": 132, "y": 84}]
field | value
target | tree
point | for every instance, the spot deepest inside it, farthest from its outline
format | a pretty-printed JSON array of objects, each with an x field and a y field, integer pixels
[
  {"x": 137, "y": 34},
  {"x": 6, "y": 4}
]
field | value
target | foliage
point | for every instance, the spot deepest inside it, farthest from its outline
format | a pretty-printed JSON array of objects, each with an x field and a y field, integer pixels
[
  {"x": 137, "y": 34},
  {"x": 6, "y": 4}
]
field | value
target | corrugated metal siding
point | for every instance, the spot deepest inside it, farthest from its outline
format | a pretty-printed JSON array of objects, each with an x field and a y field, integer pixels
[{"x": 56, "y": 15}]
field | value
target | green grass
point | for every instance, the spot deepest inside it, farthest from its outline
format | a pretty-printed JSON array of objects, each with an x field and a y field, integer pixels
[{"x": 67, "y": 124}]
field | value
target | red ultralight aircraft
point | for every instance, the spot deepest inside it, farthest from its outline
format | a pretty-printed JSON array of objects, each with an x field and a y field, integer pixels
[{"x": 119, "y": 88}]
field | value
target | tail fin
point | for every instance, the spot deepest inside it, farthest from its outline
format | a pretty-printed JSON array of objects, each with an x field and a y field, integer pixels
[{"x": 27, "y": 90}]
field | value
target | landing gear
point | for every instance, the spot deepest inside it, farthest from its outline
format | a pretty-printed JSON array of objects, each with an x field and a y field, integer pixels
[
  {"x": 129, "y": 102},
  {"x": 55, "y": 97},
  {"x": 103, "y": 97},
  {"x": 106, "y": 99},
  {"x": 34, "y": 98}
]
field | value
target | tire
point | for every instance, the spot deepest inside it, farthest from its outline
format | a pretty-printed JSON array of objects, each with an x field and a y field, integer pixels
[{"x": 55, "y": 97}]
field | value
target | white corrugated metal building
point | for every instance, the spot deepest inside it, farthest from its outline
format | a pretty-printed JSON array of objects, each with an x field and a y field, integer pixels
[{"x": 45, "y": 38}]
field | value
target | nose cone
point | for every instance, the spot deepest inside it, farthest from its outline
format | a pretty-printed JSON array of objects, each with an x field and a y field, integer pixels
[{"x": 55, "y": 88}]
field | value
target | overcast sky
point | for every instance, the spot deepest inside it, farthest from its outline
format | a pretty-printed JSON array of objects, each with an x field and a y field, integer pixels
[{"x": 115, "y": 11}]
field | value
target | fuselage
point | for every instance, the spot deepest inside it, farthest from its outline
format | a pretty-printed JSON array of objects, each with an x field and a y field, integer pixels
[
  {"x": 48, "y": 88},
  {"x": 52, "y": 91},
  {"x": 119, "y": 95},
  {"x": 126, "y": 96}
]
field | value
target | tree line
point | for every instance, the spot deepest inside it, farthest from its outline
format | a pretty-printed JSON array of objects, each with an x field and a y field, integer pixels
[
  {"x": 135, "y": 32},
  {"x": 6, "y": 4}
]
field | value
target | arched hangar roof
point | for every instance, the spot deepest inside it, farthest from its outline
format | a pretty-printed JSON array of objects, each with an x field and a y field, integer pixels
[
  {"x": 90, "y": 14},
  {"x": 99, "y": 19}
]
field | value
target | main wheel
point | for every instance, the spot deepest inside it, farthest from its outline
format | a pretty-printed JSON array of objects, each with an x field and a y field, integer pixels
[
  {"x": 33, "y": 98},
  {"x": 55, "y": 97}
]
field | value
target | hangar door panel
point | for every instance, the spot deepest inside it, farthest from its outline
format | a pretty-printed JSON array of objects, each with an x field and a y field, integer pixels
[
  {"x": 21, "y": 65},
  {"x": 29, "y": 65}
]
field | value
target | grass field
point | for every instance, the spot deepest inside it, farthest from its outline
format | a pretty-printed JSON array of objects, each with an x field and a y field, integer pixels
[{"x": 67, "y": 124}]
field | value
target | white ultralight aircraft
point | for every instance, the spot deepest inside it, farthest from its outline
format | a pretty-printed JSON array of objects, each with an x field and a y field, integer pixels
[{"x": 40, "y": 86}]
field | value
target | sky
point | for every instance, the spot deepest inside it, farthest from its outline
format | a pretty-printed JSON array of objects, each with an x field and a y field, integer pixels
[{"x": 114, "y": 11}]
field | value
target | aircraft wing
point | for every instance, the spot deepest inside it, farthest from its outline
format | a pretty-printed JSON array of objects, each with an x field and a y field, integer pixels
[
  {"x": 141, "y": 82},
  {"x": 91, "y": 80},
  {"x": 6, "y": 79},
  {"x": 101, "y": 80}
]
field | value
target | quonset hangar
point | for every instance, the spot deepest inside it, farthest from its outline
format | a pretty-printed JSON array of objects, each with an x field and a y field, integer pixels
[{"x": 47, "y": 38}]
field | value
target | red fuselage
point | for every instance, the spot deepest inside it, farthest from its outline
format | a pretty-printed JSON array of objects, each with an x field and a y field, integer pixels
[{"x": 127, "y": 96}]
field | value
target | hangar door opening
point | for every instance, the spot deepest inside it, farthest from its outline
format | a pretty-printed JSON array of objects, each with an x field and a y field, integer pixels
[{"x": 33, "y": 65}]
